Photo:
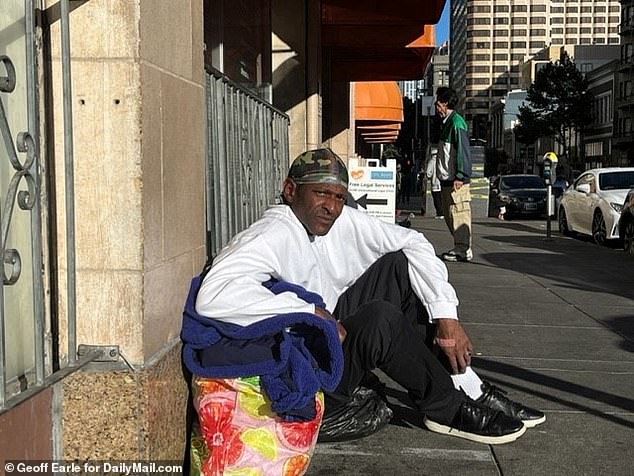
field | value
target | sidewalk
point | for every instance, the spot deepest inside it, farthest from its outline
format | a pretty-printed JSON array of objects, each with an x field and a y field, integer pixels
[{"x": 552, "y": 322}]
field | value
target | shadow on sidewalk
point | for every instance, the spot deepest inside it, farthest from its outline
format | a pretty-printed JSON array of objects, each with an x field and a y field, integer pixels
[{"x": 577, "y": 390}]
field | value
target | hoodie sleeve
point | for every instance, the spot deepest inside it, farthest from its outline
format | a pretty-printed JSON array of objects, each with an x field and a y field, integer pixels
[
  {"x": 462, "y": 147},
  {"x": 427, "y": 273}
]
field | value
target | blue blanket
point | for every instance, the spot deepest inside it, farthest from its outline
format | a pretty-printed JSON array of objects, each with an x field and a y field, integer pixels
[{"x": 294, "y": 354}]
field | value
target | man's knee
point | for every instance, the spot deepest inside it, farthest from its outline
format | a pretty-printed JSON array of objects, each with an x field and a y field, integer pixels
[
  {"x": 394, "y": 258},
  {"x": 374, "y": 319}
]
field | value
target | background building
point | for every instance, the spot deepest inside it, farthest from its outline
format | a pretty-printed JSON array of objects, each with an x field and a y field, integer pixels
[
  {"x": 490, "y": 38},
  {"x": 624, "y": 104}
]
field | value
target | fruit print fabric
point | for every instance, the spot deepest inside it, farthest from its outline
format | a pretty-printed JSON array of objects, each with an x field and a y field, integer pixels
[{"x": 237, "y": 434}]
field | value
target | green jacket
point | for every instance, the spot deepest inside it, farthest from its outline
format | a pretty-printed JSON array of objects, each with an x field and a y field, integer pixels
[{"x": 454, "y": 151}]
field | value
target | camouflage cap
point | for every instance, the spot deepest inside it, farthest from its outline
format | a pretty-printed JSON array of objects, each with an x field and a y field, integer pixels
[{"x": 319, "y": 166}]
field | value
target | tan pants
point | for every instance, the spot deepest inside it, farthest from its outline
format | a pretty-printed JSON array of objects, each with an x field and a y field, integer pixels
[{"x": 456, "y": 207}]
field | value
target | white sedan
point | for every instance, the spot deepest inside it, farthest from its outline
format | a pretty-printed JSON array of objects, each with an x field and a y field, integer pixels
[{"x": 592, "y": 204}]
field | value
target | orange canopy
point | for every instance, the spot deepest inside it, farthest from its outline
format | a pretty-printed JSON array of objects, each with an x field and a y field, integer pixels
[
  {"x": 378, "y": 110},
  {"x": 378, "y": 101}
]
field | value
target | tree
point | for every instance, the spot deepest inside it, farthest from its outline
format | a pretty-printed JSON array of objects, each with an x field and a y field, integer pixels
[{"x": 558, "y": 103}]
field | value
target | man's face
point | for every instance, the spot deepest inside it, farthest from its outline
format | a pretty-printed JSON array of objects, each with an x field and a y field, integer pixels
[
  {"x": 316, "y": 205},
  {"x": 441, "y": 108}
]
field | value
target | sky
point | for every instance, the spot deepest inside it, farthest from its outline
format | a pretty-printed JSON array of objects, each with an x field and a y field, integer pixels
[{"x": 442, "y": 28}]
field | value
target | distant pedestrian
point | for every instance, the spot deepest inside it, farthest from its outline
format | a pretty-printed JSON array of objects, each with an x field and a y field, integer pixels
[{"x": 453, "y": 165}]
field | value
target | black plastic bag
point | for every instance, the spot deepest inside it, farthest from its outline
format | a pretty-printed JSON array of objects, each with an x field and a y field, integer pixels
[{"x": 365, "y": 414}]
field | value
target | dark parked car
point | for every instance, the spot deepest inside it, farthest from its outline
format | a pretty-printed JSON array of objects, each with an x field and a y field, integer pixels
[
  {"x": 626, "y": 223},
  {"x": 520, "y": 194}
]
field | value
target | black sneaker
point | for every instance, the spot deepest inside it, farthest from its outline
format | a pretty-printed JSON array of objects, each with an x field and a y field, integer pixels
[
  {"x": 476, "y": 422},
  {"x": 495, "y": 398}
]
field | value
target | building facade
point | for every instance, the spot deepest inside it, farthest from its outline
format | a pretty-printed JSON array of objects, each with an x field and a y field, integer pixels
[
  {"x": 490, "y": 38},
  {"x": 624, "y": 97},
  {"x": 598, "y": 139}
]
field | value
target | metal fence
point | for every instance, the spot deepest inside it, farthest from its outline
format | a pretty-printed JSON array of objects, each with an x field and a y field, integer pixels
[{"x": 247, "y": 158}]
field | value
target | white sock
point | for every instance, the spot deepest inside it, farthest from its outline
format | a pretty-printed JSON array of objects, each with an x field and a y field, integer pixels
[{"x": 469, "y": 382}]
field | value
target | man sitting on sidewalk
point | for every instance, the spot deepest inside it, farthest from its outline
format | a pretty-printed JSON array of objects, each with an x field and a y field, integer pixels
[{"x": 377, "y": 280}]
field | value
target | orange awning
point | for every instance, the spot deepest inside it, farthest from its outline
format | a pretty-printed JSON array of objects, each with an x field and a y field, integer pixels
[
  {"x": 378, "y": 110},
  {"x": 378, "y": 101}
]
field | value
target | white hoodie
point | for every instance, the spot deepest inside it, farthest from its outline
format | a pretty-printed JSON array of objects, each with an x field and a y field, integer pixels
[{"x": 278, "y": 246}]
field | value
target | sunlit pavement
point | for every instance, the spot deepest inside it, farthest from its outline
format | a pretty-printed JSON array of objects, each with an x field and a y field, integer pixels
[{"x": 552, "y": 321}]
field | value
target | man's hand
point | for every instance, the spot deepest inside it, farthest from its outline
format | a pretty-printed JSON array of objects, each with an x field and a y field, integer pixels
[
  {"x": 454, "y": 342},
  {"x": 457, "y": 185},
  {"x": 329, "y": 317}
]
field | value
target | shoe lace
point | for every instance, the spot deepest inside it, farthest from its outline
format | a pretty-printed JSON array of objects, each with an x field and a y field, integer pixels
[{"x": 500, "y": 394}]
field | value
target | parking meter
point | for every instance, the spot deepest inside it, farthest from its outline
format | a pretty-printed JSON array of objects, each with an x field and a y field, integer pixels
[{"x": 547, "y": 172}]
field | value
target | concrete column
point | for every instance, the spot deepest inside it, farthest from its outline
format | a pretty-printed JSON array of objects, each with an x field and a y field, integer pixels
[
  {"x": 139, "y": 118},
  {"x": 296, "y": 63}
]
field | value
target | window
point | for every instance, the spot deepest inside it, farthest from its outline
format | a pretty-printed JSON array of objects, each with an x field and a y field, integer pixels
[
  {"x": 599, "y": 41},
  {"x": 478, "y": 69},
  {"x": 599, "y": 19},
  {"x": 501, "y": 8},
  {"x": 471, "y": 58},
  {"x": 599, "y": 29},
  {"x": 478, "y": 33},
  {"x": 479, "y": 9},
  {"x": 614, "y": 19},
  {"x": 477, "y": 105},
  {"x": 557, "y": 41},
  {"x": 557, "y": 31},
  {"x": 517, "y": 56},
  {"x": 518, "y": 44},
  {"x": 478, "y": 21},
  {"x": 613, "y": 9},
  {"x": 556, "y": 21},
  {"x": 586, "y": 9},
  {"x": 537, "y": 44},
  {"x": 500, "y": 33},
  {"x": 617, "y": 180},
  {"x": 571, "y": 9},
  {"x": 500, "y": 69},
  {"x": 500, "y": 57},
  {"x": 584, "y": 41},
  {"x": 519, "y": 8},
  {"x": 556, "y": 9},
  {"x": 613, "y": 41},
  {"x": 538, "y": 8},
  {"x": 478, "y": 45},
  {"x": 599, "y": 9},
  {"x": 538, "y": 32},
  {"x": 500, "y": 21},
  {"x": 500, "y": 45},
  {"x": 471, "y": 81},
  {"x": 585, "y": 30},
  {"x": 586, "y": 19},
  {"x": 519, "y": 32},
  {"x": 519, "y": 21},
  {"x": 571, "y": 31},
  {"x": 538, "y": 21}
]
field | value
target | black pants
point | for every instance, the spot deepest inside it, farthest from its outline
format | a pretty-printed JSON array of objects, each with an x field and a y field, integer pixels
[{"x": 380, "y": 313}]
